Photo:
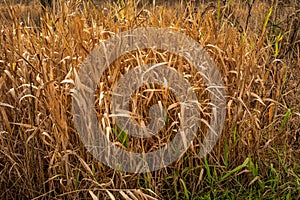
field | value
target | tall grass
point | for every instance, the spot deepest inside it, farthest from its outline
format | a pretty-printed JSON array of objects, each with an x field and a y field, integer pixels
[{"x": 255, "y": 45}]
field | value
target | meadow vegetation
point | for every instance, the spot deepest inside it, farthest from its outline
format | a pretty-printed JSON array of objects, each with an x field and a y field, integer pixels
[{"x": 255, "y": 45}]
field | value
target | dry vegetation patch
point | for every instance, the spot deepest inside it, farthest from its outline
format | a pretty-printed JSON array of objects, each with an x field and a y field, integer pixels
[{"x": 255, "y": 45}]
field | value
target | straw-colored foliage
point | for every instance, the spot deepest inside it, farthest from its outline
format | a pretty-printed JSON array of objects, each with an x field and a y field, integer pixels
[{"x": 255, "y": 45}]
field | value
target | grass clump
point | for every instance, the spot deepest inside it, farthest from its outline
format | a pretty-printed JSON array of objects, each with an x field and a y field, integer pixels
[{"x": 255, "y": 45}]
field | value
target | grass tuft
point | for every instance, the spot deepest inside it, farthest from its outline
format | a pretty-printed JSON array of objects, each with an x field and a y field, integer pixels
[{"x": 255, "y": 45}]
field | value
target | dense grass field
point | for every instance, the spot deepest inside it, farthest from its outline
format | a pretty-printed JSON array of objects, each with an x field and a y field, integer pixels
[{"x": 256, "y": 47}]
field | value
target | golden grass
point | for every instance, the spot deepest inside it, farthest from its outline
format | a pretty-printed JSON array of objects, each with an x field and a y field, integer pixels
[{"x": 41, "y": 155}]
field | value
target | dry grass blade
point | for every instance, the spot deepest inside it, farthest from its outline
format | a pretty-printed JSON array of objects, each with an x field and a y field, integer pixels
[
  {"x": 111, "y": 196},
  {"x": 94, "y": 197}
]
